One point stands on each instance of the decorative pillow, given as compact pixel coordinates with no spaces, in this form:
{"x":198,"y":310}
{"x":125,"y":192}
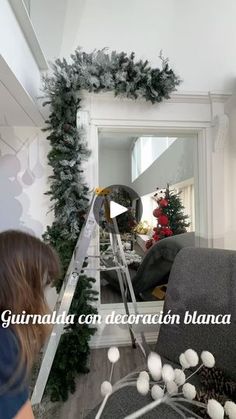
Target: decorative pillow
{"x":157,"y":263}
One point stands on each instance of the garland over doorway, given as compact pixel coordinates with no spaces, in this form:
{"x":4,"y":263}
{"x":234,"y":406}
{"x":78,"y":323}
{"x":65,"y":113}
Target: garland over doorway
{"x":95,"y":72}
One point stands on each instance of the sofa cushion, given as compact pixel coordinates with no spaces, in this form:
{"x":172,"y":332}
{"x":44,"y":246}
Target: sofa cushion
{"x":158,"y":261}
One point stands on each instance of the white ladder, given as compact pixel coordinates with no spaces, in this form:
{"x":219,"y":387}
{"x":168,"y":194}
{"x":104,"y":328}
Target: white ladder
{"x":68,"y":289}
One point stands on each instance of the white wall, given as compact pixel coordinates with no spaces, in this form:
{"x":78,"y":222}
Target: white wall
{"x":199,"y":37}
{"x":48,"y":17}
{"x":114,"y":166}
{"x":229,"y":192}
{"x":24,"y":179}
{"x":24,"y":205}
{"x":173,"y":166}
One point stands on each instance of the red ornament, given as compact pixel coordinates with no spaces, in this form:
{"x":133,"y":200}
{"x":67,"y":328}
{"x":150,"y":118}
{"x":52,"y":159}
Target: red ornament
{"x":149,"y":244}
{"x":156,"y":237}
{"x":163,"y":220}
{"x":157,"y":212}
{"x":167,"y":232}
{"x":163,"y":202}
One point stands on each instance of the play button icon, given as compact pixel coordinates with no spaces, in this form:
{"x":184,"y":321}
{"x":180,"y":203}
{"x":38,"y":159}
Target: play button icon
{"x":116,"y":209}
{"x":120,"y":203}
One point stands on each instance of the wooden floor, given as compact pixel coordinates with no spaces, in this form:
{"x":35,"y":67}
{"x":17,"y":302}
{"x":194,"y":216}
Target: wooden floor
{"x":87,"y":394}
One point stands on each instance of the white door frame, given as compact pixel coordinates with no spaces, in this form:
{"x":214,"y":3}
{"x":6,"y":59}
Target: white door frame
{"x":184,"y":113}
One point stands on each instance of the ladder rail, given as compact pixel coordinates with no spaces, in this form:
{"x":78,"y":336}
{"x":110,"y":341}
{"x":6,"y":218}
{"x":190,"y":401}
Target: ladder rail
{"x":73,"y":273}
{"x":63,"y":304}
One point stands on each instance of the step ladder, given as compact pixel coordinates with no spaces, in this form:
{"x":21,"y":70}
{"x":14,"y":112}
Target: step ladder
{"x":76,"y":267}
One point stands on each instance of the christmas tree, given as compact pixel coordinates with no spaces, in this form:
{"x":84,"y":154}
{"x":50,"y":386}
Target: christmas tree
{"x":170,"y":216}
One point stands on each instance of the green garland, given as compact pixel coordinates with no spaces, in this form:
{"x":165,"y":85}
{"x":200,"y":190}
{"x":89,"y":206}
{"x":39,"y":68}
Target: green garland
{"x":69,"y":194}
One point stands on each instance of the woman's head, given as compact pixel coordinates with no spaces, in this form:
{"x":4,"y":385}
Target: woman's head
{"x":27,"y":265}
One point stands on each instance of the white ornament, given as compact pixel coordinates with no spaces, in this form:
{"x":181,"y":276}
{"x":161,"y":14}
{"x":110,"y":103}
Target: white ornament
{"x":168,"y":373}
{"x":154,"y":365}
{"x":183,"y":362}
{"x":191,"y":357}
{"x":189,"y":391}
{"x":179,"y":377}
{"x":144,"y":375}
{"x":106,"y":388}
{"x":208,"y":359}
{"x":215,"y":410}
{"x":172,"y":387}
{"x":113,"y":354}
{"x":142,"y":386}
{"x":157,"y":392}
{"x":230,"y":409}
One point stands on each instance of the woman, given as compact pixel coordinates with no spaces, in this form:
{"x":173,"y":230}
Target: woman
{"x":27,"y":266}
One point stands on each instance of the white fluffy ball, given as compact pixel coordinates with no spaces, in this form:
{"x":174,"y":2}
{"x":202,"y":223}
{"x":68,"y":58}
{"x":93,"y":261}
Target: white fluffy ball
{"x":157,"y":392}
{"x":168,"y":373}
{"x":230,"y":409}
{"x":189,"y":391}
{"x":106,"y":388}
{"x":154,"y":365}
{"x":179,"y":377}
{"x":191,"y":357}
{"x":183,"y":362}
{"x":113,"y":354}
{"x":208,"y":359}
{"x":142,"y":386}
{"x":172,"y":387}
{"x":215,"y":410}
{"x":144,"y":375}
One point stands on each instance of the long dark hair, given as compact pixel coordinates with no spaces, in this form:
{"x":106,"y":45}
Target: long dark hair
{"x":27,"y":265}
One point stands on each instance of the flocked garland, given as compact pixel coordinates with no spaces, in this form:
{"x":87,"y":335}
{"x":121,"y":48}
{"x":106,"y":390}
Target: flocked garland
{"x":96,"y":72}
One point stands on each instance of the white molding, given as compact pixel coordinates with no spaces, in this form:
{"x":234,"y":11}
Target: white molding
{"x":176,"y":97}
{"x":108,"y":335}
{"x":220,"y":132}
{"x":25,"y":23}
{"x":20,"y":95}
{"x":189,"y":113}
{"x":124,"y":340}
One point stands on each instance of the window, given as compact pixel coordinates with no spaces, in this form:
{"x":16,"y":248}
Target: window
{"x":146,"y":150}
{"x":186,"y":190}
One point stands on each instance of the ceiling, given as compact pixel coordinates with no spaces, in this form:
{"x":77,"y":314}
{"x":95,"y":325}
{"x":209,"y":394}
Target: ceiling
{"x":116,"y":140}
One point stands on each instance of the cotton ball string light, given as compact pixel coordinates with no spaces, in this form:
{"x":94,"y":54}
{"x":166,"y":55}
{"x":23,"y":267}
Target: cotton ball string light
{"x":144,"y":375}
{"x":157,"y":392}
{"x":208,"y":359}
{"x":183,"y":362}
{"x":172,"y":387}
{"x":215,"y":410}
{"x":191,"y":357}
{"x":179,"y":377}
{"x":168,"y":373}
{"x":189,"y":391}
{"x":142,"y":386}
{"x":154,"y":365}
{"x":230,"y":409}
{"x":167,"y":390}
{"x":113,"y":354}
{"x":106,"y":388}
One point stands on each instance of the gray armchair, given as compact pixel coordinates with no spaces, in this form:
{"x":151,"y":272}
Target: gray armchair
{"x":202,"y":280}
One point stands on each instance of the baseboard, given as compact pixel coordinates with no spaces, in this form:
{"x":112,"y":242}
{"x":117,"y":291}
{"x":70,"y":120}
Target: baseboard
{"x":124,"y":340}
